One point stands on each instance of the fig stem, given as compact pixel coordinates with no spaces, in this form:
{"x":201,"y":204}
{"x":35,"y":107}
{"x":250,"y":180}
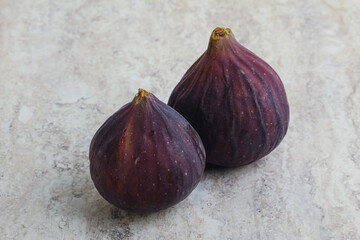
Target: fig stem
{"x":220,"y":32}
{"x":219,"y":38}
{"x":141,"y":95}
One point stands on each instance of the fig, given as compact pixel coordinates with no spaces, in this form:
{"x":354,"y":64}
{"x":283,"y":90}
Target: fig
{"x":146,"y":156}
{"x":234,"y":100}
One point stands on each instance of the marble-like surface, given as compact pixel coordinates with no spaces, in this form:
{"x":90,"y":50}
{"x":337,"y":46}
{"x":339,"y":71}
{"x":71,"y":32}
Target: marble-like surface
{"x":67,"y":65}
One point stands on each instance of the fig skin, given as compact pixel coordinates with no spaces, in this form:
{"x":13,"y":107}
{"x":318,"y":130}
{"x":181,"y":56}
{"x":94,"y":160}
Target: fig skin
{"x":234,"y":100}
{"x":146,"y":157}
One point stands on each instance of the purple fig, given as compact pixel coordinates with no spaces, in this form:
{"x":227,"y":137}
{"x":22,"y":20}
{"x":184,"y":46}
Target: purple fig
{"x":234,"y":100}
{"x":146,"y":157}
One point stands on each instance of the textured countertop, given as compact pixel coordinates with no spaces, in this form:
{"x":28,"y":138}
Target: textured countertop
{"x":68,"y":65}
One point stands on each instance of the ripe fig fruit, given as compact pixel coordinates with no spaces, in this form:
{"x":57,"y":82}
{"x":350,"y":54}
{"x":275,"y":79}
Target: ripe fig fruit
{"x":146,"y":157}
{"x":234,"y":100}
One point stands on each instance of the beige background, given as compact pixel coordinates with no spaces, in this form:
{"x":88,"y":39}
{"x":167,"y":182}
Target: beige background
{"x":67,"y":65}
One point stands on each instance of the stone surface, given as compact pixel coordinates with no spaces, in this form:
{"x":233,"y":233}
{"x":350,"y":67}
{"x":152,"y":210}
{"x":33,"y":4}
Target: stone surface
{"x":67,"y":65}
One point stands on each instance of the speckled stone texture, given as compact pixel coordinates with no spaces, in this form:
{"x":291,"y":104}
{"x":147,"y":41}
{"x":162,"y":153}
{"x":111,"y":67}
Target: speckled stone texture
{"x":66,"y":66}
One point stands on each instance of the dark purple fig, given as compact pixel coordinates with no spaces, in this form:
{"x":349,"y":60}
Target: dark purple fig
{"x":146,"y":157}
{"x":234,"y":100}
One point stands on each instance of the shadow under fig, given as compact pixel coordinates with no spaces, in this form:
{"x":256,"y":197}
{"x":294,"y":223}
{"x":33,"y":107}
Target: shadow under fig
{"x":211,"y":169}
{"x":75,"y":198}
